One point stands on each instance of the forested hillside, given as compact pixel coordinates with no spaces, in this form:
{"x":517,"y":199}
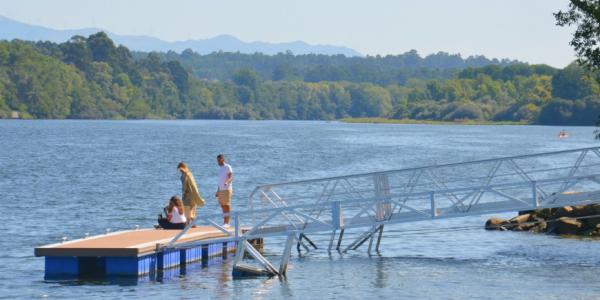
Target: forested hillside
{"x":381,"y":70}
{"x":92,"y":78}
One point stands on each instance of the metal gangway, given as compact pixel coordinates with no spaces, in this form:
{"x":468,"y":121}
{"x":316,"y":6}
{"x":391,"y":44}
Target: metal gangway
{"x":369,"y":201}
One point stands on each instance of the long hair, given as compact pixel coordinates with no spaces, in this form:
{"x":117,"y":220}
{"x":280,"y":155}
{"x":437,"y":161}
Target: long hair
{"x":176,"y":202}
{"x":183,"y":166}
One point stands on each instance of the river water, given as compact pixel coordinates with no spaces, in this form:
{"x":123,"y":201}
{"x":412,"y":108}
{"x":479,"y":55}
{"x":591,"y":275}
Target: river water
{"x":69,"y":178}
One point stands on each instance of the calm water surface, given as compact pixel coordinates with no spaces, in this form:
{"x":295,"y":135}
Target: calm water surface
{"x":68,"y":178}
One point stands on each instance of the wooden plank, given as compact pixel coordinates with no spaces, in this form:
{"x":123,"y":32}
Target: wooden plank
{"x":126,"y":243}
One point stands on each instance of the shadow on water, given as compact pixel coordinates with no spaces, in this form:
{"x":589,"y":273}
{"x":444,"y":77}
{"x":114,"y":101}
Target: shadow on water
{"x":70,"y":281}
{"x":158,"y":276}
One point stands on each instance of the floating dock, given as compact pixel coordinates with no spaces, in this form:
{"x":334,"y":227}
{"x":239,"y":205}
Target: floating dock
{"x":132,"y":252}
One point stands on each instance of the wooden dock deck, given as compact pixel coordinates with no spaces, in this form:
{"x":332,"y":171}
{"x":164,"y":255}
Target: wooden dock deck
{"x":126,"y":243}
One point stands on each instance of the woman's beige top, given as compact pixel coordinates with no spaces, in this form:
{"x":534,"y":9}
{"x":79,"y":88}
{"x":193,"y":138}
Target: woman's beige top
{"x":190,"y":195}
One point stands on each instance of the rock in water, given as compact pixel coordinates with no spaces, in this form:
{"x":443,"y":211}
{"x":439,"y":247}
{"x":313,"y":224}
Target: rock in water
{"x":565,"y":211}
{"x":541,"y":225}
{"x":537,"y":229}
{"x":591,"y":222}
{"x":528,"y":226}
{"x":582,"y":211}
{"x":567,"y":226}
{"x":524,"y":212}
{"x":574,"y":220}
{"x":544,"y":213}
{"x":595,"y":208}
{"x":596,"y":232}
{"x":520,"y":219}
{"x":495,"y":224}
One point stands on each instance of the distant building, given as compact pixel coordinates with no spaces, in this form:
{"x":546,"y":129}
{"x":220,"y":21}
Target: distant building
{"x":14,"y":115}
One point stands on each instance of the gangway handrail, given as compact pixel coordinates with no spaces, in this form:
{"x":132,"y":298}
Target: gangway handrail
{"x":413,"y":194}
{"x":260,"y":186}
{"x":291,"y":208}
{"x":482,"y":177}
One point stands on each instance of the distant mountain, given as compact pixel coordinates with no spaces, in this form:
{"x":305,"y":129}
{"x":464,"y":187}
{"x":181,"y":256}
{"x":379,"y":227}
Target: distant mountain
{"x":11,"y":29}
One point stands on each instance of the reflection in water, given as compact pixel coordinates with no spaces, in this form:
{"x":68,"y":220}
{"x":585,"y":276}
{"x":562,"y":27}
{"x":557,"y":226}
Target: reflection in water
{"x":285,"y":289}
{"x":265,"y":288}
{"x":222,"y":290}
{"x":380,"y":273}
{"x":118,"y":281}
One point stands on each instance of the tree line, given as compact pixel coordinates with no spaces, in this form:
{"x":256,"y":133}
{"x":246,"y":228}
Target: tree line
{"x":92,"y":78}
{"x":380,"y":70}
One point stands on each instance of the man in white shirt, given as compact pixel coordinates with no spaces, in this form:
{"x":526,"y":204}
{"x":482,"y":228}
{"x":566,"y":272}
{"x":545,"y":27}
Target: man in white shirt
{"x":225,"y":190}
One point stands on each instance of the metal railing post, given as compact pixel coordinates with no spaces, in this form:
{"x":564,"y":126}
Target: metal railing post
{"x":433,"y":208}
{"x":336,"y":215}
{"x":536,"y":202}
{"x":236,"y":220}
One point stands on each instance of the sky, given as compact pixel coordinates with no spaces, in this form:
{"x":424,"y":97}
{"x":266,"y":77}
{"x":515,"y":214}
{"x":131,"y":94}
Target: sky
{"x":515,"y":29}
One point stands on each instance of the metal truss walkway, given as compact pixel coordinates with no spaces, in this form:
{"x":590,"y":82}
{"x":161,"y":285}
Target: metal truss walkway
{"x":369,"y":201}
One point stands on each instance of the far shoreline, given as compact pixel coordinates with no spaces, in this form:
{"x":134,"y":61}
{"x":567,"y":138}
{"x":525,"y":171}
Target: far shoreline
{"x":342,"y":120}
{"x":432,"y":122}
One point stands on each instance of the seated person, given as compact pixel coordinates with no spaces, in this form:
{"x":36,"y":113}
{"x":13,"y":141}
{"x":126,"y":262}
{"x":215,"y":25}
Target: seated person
{"x":175,"y":215}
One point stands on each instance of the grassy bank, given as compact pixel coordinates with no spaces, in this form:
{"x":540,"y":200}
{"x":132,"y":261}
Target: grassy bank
{"x":430,"y":122}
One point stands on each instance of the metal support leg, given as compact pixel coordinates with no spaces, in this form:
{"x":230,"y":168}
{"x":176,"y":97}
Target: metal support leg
{"x":371,"y":242}
{"x":286,"y":254}
{"x":378,"y":230}
{"x":254,"y":253}
{"x":239,"y":253}
{"x":339,"y":243}
{"x":331,"y":240}
{"x":360,"y":240}
{"x":245,"y":247}
{"x":300,"y":243}
{"x":303,"y":236}
{"x":379,"y":238}
{"x":368,"y":235}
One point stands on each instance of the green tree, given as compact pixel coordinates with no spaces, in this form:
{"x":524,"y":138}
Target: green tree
{"x":101,"y":47}
{"x":585,"y":14}
{"x":76,"y":52}
{"x":370,"y":101}
{"x":283,"y":72}
{"x":572,"y":83}
{"x":180,"y":76}
{"x":556,"y":112}
{"x":247,"y":77}
{"x":462,"y":111}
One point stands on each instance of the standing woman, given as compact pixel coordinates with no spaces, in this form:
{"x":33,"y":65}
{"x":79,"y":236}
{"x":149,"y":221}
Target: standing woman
{"x":190,"y":195}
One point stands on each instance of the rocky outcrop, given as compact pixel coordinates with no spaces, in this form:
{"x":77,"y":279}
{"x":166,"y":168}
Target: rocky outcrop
{"x":581,"y":220}
{"x":566,"y":225}
{"x":496,"y":224}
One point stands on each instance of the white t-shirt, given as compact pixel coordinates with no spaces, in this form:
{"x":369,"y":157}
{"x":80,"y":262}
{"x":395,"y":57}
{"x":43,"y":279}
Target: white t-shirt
{"x":224,"y":171}
{"x":176,"y":218}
